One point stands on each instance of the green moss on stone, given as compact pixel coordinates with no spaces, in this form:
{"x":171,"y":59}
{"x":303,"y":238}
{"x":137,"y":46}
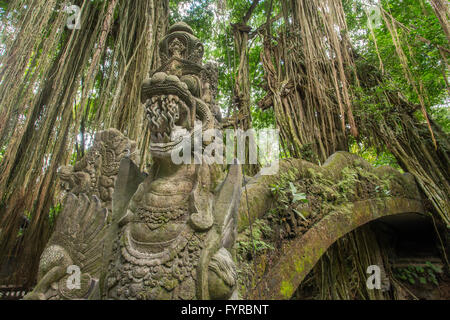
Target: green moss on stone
{"x":287,"y":289}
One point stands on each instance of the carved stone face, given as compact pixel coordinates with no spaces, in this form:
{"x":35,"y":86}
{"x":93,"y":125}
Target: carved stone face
{"x":177,"y":48}
{"x":170,"y":111}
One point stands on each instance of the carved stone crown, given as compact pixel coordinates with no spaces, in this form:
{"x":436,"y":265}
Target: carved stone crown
{"x":180,"y":43}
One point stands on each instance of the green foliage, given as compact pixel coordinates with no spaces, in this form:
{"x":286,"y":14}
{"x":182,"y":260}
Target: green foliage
{"x":261,"y":231}
{"x":3,"y":7}
{"x":263,"y":119}
{"x":420,"y":36}
{"x":197,"y":14}
{"x":73,"y":158}
{"x":375,"y":157}
{"x":296,"y":197}
{"x":348,"y":182}
{"x":2,"y":153}
{"x":53,"y":214}
{"x":442,"y":116}
{"x":383,"y":190}
{"x":280,"y":189}
{"x":287,"y":197}
{"x":414,"y":274}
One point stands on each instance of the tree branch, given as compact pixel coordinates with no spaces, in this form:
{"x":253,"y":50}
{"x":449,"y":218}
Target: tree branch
{"x":250,"y":12}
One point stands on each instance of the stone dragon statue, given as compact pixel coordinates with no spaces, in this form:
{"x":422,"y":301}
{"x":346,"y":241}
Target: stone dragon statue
{"x":168,"y":234}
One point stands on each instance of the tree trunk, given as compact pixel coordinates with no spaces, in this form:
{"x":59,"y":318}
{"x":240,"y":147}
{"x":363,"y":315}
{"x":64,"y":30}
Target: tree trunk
{"x":308,"y":90}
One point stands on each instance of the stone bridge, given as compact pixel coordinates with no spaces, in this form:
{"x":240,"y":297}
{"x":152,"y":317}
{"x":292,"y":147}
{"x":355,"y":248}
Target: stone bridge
{"x":366,"y":194}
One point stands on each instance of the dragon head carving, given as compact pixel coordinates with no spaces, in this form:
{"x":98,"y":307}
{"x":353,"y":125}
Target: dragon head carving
{"x":179,"y":96}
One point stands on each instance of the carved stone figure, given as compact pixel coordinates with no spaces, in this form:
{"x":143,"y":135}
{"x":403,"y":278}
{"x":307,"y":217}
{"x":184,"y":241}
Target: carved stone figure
{"x":165,"y":235}
{"x":95,"y":173}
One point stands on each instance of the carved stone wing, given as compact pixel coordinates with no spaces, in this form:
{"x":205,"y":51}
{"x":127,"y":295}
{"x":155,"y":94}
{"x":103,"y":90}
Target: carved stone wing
{"x":81,"y":229}
{"x":79,"y":240}
{"x":74,"y":250}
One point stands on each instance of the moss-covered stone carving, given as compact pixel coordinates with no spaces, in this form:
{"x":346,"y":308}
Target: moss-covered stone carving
{"x":163,"y":235}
